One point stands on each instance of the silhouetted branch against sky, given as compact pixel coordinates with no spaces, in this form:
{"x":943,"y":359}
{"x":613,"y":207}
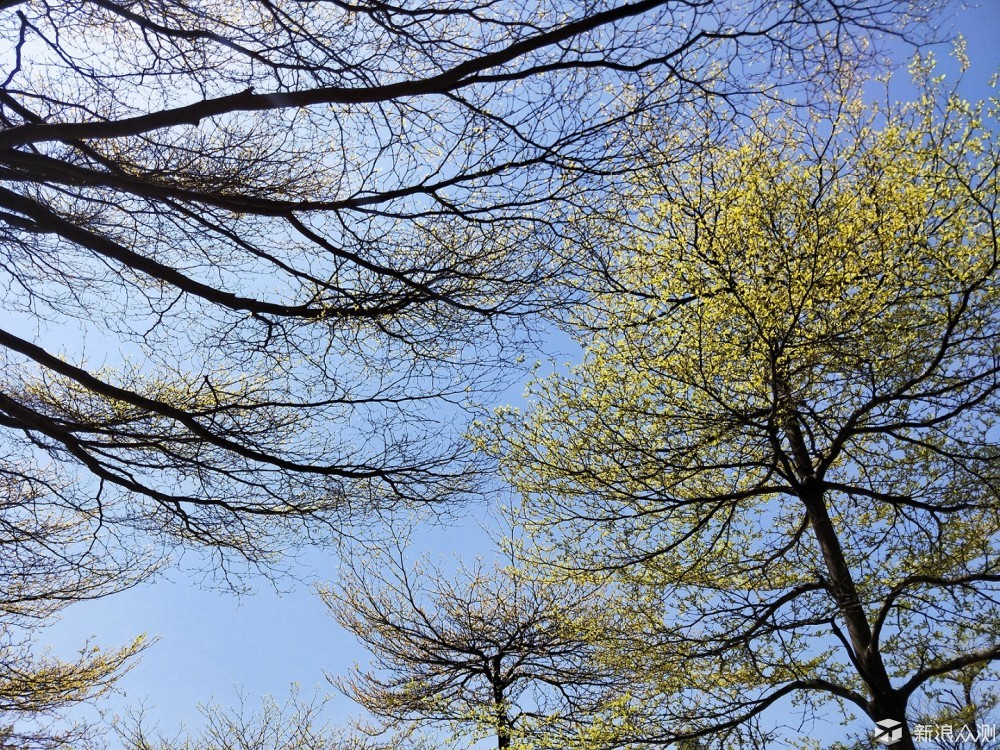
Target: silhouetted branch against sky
{"x":250,"y":249}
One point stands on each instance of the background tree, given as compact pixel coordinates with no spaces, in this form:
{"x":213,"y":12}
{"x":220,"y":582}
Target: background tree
{"x":295,"y":724}
{"x":249,"y":250}
{"x":480,"y":652}
{"x":784,"y":436}
{"x":49,"y":558}
{"x":966,"y":703}
{"x":957,"y":711}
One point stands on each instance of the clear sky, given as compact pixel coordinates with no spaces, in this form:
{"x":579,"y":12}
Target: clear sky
{"x":212,"y":642}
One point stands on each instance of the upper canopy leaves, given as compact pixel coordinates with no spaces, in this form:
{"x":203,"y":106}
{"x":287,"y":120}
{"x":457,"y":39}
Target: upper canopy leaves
{"x":785,"y":430}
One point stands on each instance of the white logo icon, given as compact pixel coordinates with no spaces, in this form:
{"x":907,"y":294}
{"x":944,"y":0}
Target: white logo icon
{"x":891,"y":732}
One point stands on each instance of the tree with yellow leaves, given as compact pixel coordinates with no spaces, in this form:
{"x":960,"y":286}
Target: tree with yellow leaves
{"x":783,"y":435}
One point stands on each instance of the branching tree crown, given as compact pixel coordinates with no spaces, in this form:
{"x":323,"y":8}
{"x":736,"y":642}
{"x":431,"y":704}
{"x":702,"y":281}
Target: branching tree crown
{"x":483,"y":652}
{"x":297,"y":723}
{"x":785,"y":433}
{"x":50,"y":557}
{"x":285,"y":231}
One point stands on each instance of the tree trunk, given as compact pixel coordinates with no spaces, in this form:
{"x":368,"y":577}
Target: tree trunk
{"x":884,"y":701}
{"x":499,"y":706}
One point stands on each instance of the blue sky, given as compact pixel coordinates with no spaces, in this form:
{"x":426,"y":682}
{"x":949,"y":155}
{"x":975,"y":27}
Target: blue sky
{"x":211,"y":642}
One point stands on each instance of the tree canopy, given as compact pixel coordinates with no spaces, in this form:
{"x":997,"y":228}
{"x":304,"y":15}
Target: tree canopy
{"x":254,"y":255}
{"x":481,"y":652}
{"x":48,"y":560}
{"x":783,"y":435}
{"x":250,"y":249}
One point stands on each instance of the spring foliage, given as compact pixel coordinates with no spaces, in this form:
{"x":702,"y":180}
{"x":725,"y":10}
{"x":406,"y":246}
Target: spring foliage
{"x":783,"y":435}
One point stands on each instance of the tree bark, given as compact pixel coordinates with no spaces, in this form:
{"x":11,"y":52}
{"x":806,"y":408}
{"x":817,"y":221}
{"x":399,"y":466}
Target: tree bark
{"x":884,"y":701}
{"x":499,"y":706}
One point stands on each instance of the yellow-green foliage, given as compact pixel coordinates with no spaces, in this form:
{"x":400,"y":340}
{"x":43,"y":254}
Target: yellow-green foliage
{"x":816,"y":305}
{"x":35,"y":690}
{"x":45,"y":684}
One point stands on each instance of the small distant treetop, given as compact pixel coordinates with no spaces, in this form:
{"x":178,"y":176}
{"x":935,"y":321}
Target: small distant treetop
{"x":482,"y":653}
